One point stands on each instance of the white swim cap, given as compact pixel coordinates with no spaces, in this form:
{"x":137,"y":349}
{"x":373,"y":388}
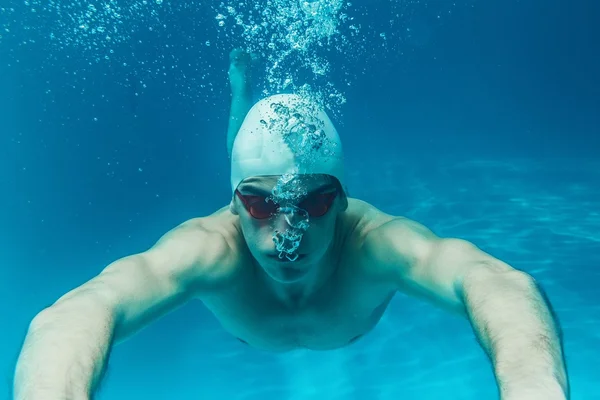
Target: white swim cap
{"x":286,"y":134}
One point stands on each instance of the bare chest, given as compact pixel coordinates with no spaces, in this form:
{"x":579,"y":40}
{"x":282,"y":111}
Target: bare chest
{"x":340,"y":315}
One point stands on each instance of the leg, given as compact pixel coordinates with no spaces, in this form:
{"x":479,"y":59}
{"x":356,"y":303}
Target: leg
{"x":241,"y":93}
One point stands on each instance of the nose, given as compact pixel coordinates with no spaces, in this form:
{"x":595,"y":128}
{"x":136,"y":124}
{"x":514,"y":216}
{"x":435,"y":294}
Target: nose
{"x":290,"y":225}
{"x":293,"y":217}
{"x":280,"y":223}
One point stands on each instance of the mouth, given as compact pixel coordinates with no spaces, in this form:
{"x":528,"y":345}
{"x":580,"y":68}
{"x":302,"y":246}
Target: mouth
{"x":285,"y":259}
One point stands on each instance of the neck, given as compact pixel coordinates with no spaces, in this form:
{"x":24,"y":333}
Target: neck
{"x":300,"y":293}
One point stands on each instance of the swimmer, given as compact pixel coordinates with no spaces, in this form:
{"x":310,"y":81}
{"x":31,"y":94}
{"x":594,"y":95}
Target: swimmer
{"x":293,"y":262}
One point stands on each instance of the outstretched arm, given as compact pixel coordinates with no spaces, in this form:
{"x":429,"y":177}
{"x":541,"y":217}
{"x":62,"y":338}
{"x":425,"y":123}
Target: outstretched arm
{"x":241,"y":93}
{"x":506,"y":308}
{"x":514,"y":324}
{"x":68,"y":344}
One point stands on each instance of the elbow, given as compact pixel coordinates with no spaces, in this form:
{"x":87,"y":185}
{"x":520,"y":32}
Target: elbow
{"x":43,"y":318}
{"x":79,"y":303}
{"x":497,"y":277}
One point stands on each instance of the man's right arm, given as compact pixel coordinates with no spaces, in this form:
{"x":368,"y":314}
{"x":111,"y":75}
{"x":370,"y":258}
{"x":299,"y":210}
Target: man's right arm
{"x":67,"y":345}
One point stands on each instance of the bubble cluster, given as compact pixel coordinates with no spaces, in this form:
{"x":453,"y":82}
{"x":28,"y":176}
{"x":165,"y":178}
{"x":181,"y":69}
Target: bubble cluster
{"x":300,"y":128}
{"x":290,"y":188}
{"x":303,"y":133}
{"x":301,"y":125}
{"x":292,"y":38}
{"x":137,"y":43}
{"x":164,"y":41}
{"x":96,"y":26}
{"x":288,"y":242}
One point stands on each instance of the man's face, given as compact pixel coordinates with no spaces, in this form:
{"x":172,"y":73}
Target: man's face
{"x":283,"y":227}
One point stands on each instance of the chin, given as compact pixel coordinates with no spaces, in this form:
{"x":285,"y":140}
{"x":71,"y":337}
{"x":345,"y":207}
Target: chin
{"x":285,"y":271}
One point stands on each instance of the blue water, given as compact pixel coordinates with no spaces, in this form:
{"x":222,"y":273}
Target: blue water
{"x":479,"y":120}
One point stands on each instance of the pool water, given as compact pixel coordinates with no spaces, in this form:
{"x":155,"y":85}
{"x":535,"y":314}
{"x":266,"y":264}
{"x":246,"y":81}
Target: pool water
{"x":112,"y":131}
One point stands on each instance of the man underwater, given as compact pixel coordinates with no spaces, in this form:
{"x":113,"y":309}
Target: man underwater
{"x":293,"y":262}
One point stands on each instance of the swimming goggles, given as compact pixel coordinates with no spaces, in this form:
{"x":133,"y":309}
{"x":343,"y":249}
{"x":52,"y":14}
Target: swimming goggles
{"x":262,"y":207}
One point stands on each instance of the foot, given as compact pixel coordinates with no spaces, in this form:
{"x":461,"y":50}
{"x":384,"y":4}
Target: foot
{"x":239,"y":72}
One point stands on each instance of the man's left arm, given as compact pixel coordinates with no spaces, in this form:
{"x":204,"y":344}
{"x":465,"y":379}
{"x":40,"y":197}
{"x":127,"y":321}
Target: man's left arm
{"x":507,"y":309}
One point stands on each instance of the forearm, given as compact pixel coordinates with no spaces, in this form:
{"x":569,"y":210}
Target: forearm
{"x":516,"y":328}
{"x":65,"y":350}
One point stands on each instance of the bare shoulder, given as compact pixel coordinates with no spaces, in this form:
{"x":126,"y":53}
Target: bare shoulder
{"x":389,"y":239}
{"x":372,"y":222}
{"x":363,"y":217}
{"x":202,"y":251}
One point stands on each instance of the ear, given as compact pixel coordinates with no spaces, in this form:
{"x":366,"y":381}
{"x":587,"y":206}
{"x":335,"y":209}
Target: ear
{"x":233,"y":207}
{"x":343,"y":202}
